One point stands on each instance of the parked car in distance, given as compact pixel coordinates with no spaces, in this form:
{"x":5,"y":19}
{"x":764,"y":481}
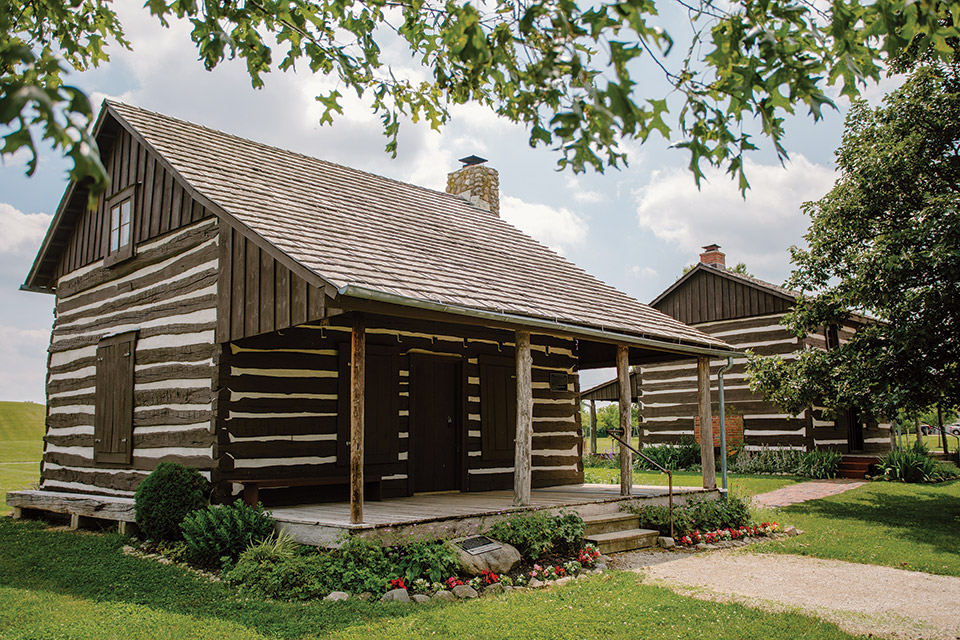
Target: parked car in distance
{"x":929,"y":429}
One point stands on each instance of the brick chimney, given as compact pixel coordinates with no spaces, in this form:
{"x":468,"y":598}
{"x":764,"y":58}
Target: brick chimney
{"x":713,"y":257}
{"x":476,"y":183}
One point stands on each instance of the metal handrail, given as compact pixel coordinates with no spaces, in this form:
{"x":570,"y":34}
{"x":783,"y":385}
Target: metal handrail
{"x":613,"y":434}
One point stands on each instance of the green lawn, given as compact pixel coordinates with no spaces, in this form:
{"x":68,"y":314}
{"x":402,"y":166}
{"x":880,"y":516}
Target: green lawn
{"x":909,"y":526}
{"x":744,"y":486}
{"x":933,"y":442}
{"x":21,"y":446}
{"x":58,"y":584}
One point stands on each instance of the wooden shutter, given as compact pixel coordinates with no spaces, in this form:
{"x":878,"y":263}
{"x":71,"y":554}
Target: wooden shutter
{"x":381,"y":406}
{"x":113,"y":418}
{"x":498,"y":408}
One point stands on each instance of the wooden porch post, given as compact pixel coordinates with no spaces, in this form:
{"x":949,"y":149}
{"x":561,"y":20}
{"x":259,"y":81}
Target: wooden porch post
{"x":593,"y":427}
{"x":524,"y":443}
{"x":357,"y":372}
{"x":706,"y":423}
{"x":626,"y":400}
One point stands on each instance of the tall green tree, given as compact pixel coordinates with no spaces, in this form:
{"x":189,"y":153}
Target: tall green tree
{"x":565,"y":70}
{"x":883,"y":243}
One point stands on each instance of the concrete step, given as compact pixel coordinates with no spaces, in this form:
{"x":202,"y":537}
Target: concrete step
{"x":617,"y":541}
{"x":607,"y":523}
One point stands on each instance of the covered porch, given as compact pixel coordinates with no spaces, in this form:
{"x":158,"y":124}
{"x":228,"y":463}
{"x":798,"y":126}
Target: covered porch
{"x":590,"y":348}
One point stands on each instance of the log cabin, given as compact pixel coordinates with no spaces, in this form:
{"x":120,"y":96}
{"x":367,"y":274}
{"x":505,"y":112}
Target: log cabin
{"x":745,"y":312}
{"x":301,"y":331}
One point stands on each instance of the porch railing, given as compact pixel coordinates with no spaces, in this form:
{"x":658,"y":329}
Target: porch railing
{"x":615,"y":434}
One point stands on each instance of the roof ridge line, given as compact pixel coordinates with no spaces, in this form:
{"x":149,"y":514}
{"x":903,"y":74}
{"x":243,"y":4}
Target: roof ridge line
{"x":289,"y":151}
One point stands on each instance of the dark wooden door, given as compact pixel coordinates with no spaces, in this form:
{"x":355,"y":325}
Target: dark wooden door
{"x":435,"y":424}
{"x":113,"y":418}
{"x":854,"y":430}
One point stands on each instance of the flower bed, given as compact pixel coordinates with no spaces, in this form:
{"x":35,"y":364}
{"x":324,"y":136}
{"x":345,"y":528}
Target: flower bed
{"x":587,"y":558}
{"x":764,"y":529}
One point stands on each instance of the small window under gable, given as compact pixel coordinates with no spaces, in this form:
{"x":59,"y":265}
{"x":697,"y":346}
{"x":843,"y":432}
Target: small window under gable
{"x":119,"y":226}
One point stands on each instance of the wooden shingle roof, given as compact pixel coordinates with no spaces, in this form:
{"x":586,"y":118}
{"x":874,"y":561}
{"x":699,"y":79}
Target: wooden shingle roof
{"x":351,"y":228}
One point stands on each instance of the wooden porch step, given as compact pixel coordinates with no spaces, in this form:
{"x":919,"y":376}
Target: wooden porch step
{"x":855,"y":467}
{"x":608,"y":523}
{"x":617,"y":541}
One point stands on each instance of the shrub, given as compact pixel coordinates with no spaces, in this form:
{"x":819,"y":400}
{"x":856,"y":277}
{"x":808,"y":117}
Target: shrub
{"x":431,"y":560}
{"x":766,"y":461}
{"x":537,"y":533}
{"x":915,"y":465}
{"x":684,"y":455}
{"x":166,"y":497}
{"x":358,"y":565}
{"x":276,"y":546}
{"x":697,"y":514}
{"x":819,"y":464}
{"x":298,"y":577}
{"x":218,"y":534}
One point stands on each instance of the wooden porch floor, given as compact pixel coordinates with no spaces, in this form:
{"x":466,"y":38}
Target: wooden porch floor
{"x":454,"y":513}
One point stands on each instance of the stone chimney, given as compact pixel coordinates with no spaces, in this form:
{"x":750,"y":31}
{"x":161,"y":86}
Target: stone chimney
{"x":476,"y":183}
{"x":713,"y":257}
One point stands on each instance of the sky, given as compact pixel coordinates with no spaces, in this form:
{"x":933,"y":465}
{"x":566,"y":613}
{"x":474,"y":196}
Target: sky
{"x":635,"y":228}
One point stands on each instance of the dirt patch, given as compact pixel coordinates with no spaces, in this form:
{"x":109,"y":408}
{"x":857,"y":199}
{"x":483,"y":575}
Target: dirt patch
{"x":859,"y":598}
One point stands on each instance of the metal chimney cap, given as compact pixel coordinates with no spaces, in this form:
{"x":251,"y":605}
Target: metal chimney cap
{"x":711,"y":247}
{"x":469,"y":161}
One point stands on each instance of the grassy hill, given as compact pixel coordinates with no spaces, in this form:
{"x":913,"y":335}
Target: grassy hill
{"x":21,"y":446}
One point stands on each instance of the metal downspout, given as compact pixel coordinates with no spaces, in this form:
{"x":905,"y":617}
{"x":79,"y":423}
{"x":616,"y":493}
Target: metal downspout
{"x":723,"y":426}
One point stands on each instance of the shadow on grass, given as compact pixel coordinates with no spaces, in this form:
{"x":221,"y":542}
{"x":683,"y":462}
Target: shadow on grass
{"x":92,"y":566}
{"x":924,"y":514}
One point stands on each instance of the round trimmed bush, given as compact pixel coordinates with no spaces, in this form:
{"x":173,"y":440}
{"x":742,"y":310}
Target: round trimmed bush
{"x":166,"y":497}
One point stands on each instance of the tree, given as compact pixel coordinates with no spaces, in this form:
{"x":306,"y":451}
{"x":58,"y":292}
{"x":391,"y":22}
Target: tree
{"x":567,"y":71}
{"x":884,"y":243}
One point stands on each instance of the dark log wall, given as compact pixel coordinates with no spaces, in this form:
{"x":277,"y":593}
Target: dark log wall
{"x":167,"y":291}
{"x":279,"y":395}
{"x":670,"y":397}
{"x":257,"y":294}
{"x":709,"y":297}
{"x":161,"y":205}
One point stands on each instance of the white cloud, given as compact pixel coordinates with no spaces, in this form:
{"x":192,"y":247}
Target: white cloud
{"x":556,"y":228}
{"x":757,"y":230}
{"x":642,"y":272}
{"x":580,"y":193}
{"x":22,"y":352}
{"x":22,"y":232}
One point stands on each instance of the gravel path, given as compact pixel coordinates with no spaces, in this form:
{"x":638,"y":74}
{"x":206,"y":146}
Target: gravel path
{"x":860,"y":598}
